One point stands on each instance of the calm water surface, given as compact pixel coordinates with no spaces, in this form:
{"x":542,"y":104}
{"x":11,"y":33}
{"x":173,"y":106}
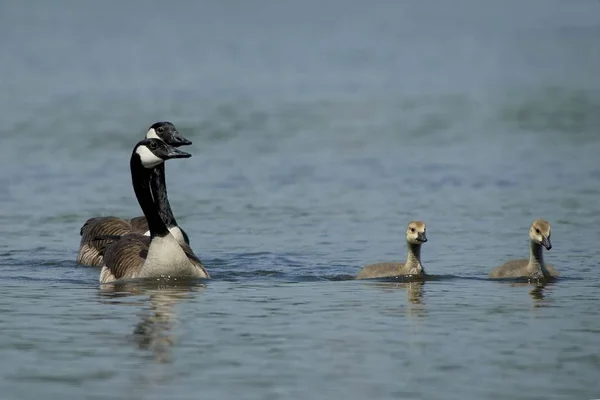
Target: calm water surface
{"x":320,"y":129}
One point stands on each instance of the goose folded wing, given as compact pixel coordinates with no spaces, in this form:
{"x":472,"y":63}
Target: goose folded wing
{"x":125,"y":257}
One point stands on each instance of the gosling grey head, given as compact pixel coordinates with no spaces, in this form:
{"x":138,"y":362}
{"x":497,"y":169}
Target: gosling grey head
{"x":540,"y":232}
{"x":416,"y":232}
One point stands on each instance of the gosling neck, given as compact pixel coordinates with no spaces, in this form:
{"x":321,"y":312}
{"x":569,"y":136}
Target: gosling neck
{"x":413,"y":258}
{"x":536,"y":259}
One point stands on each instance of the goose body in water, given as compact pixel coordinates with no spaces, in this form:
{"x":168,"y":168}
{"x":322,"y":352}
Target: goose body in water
{"x":534,"y":267}
{"x":415,"y":237}
{"x":89,"y":247}
{"x":159,"y":255}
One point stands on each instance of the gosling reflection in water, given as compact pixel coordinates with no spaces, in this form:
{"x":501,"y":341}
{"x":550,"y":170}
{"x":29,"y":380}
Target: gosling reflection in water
{"x":538,"y":293}
{"x":414,"y":290}
{"x":155,"y":331}
{"x":414,"y":295}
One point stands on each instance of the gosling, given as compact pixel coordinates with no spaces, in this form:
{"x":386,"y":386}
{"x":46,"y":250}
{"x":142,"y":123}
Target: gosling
{"x":415,"y":236}
{"x":534,"y":268}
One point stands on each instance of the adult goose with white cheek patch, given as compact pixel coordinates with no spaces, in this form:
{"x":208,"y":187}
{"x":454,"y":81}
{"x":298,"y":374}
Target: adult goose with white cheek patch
{"x":89,"y":247}
{"x":160,"y":255}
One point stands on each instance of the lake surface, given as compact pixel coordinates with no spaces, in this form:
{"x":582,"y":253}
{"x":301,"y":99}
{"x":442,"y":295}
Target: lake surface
{"x":319,"y":130}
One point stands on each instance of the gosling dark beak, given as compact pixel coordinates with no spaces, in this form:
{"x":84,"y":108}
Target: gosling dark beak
{"x":421,"y":237}
{"x":172,"y":152}
{"x":177,"y":139}
{"x":546,"y":243}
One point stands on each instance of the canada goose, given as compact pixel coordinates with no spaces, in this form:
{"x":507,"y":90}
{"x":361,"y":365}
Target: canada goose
{"x":415,"y":236}
{"x":160,"y":255}
{"x":534,"y":268}
{"x":89,"y":249}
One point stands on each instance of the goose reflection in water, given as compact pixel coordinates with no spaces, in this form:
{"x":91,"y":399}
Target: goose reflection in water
{"x":155,"y":331}
{"x":538,"y":293}
{"x":414,"y":295}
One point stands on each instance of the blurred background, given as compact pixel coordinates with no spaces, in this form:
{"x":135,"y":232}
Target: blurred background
{"x":319,"y":129}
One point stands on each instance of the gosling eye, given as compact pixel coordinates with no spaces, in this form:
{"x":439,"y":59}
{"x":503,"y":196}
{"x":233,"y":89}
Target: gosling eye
{"x":537,"y":230}
{"x":412,"y":230}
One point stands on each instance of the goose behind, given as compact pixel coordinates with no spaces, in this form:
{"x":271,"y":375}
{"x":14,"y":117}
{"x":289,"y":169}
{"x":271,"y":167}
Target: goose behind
{"x":534,"y":267}
{"x":159,"y":255}
{"x":415,"y":237}
{"x":89,"y":248}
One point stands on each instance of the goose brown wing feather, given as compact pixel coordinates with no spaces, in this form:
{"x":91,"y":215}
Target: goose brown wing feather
{"x":125,"y":258}
{"x":90,"y":247}
{"x":139,"y":224}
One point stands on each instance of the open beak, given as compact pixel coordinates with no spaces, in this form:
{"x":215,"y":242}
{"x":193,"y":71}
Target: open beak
{"x":421,"y":237}
{"x":546,"y":243}
{"x":176,"y":153}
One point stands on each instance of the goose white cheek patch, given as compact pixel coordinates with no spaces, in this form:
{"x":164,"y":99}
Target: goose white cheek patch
{"x":148,"y":158}
{"x":151,"y":134}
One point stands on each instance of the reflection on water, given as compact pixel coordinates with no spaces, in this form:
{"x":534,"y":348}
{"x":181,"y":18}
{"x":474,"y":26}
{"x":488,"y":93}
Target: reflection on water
{"x":415,"y":306}
{"x":414,"y":290}
{"x":538,"y":291}
{"x":155,"y":330}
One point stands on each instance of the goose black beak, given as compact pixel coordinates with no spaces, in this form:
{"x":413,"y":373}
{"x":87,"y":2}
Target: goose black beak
{"x":177,"y":139}
{"x":176,"y":153}
{"x":421,"y":237}
{"x":546,"y":243}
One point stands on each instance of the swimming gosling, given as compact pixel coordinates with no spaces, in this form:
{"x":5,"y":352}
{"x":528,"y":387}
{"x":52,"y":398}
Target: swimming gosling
{"x":415,"y":236}
{"x":534,"y":268}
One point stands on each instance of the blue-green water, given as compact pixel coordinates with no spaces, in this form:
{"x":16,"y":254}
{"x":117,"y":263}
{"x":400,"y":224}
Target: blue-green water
{"x":320,"y":129}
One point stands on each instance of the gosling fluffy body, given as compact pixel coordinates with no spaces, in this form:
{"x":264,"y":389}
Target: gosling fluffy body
{"x":534,"y":267}
{"x":415,"y":237}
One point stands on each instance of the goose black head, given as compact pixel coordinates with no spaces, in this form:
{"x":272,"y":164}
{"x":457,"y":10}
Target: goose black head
{"x":167,"y":132}
{"x":153,"y":152}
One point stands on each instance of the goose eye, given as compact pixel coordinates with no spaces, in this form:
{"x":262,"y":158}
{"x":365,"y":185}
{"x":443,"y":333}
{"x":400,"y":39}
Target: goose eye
{"x":160,"y":129}
{"x":153,"y":145}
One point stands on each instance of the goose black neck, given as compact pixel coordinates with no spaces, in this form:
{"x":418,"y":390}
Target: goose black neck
{"x":159,"y":194}
{"x":140,"y":178}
